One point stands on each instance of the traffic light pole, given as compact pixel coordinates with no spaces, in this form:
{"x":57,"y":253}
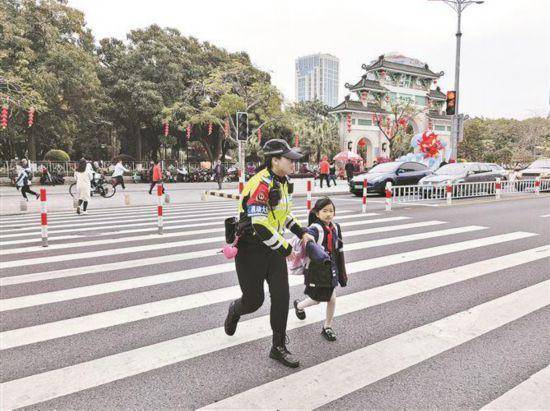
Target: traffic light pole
{"x":456,"y":126}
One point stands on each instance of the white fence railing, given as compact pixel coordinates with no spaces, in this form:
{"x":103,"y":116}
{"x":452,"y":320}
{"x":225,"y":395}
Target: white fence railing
{"x":449,"y":191}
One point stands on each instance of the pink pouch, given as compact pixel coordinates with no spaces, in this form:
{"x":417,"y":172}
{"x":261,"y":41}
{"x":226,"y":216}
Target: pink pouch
{"x":230,"y":250}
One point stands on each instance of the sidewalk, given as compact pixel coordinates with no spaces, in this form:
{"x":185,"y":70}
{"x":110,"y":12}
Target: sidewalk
{"x":59,"y":198}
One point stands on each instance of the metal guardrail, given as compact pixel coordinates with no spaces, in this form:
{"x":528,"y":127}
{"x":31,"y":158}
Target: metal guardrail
{"x":449,"y":191}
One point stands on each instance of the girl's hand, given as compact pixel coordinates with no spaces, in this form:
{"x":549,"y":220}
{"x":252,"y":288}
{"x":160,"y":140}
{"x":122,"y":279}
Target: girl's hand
{"x":307,"y":238}
{"x":292,"y":256}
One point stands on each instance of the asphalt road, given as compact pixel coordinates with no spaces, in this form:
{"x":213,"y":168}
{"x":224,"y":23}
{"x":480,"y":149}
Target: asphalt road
{"x":446,"y":307}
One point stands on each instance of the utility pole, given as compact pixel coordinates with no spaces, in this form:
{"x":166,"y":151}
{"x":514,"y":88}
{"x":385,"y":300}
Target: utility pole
{"x":458,"y":6}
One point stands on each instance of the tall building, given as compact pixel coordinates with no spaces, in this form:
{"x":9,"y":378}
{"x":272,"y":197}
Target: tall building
{"x":317,"y":78}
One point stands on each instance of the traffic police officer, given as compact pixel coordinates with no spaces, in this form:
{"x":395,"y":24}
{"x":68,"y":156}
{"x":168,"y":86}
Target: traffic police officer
{"x":265,"y":211}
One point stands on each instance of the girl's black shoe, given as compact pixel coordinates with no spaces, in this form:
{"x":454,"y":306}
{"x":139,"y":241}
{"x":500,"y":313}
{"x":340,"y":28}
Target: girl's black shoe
{"x":329,"y":334}
{"x":301,"y":314}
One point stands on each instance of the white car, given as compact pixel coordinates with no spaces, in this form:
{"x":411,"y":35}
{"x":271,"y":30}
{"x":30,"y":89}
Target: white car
{"x":539,"y":168}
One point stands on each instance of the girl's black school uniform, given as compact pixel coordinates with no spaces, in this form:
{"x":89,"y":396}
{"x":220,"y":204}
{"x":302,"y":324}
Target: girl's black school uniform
{"x":321,"y":279}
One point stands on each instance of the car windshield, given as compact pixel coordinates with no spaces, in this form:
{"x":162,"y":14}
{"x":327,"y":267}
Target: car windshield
{"x":384,"y":168}
{"x":450,"y":169}
{"x":540,"y":164}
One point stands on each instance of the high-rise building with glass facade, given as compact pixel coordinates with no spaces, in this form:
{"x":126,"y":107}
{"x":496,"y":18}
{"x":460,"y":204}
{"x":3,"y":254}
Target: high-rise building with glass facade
{"x":317,"y":78}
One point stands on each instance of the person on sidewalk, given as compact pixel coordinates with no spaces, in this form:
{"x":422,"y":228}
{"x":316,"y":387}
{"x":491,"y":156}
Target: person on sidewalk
{"x":218,"y":173}
{"x":24,"y":180}
{"x":324,"y":169}
{"x":332,"y":172}
{"x":265,"y":211}
{"x":157,"y":177}
{"x":83,"y":176}
{"x":349,"y":170}
{"x":118,"y":175}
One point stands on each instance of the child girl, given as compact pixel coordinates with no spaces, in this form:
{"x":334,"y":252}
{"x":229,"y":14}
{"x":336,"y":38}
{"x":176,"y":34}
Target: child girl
{"x":321,"y":278}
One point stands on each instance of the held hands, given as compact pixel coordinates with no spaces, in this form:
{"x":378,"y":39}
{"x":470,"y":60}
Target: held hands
{"x":307,"y":238}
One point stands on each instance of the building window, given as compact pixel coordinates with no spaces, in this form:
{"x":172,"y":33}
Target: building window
{"x":439,"y":128}
{"x":448,"y":128}
{"x":365,"y":122}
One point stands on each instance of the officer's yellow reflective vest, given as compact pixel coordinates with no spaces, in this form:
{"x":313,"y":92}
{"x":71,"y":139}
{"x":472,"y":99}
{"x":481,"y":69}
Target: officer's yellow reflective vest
{"x":269,"y":222}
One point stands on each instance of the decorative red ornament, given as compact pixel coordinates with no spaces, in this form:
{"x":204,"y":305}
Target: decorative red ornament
{"x":435,"y":82}
{"x":30,"y":122}
{"x":430,"y":144}
{"x":382,"y":73}
{"x":430,"y":125}
{"x":166,"y":129}
{"x":296,"y":140}
{"x":362,"y":143}
{"x":403,"y":121}
{"x":364,"y":95}
{"x":210,"y":128}
{"x":348,"y":122}
{"x":260,"y":135}
{"x":188,"y":131}
{"x":4,"y":117}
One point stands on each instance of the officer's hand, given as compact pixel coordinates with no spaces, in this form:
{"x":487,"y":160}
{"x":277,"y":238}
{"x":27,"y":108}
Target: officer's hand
{"x":307,"y":238}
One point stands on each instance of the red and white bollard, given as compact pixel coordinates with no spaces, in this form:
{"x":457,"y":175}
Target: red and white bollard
{"x":537,"y":185}
{"x":388,"y":196}
{"x":44,"y":217}
{"x":449,"y":192}
{"x":308,"y":198}
{"x":241,"y":181}
{"x":498,"y":188}
{"x":364,"y":206}
{"x":159,"y":207}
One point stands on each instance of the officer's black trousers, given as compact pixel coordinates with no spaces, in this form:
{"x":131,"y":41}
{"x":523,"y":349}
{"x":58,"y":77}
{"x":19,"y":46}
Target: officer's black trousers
{"x":256,"y":263}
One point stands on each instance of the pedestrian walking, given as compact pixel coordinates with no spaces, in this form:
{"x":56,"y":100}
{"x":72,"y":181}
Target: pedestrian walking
{"x":321,"y":276}
{"x":332,"y":172}
{"x":24,"y":180}
{"x":324,"y":169}
{"x":156,"y":177}
{"x":118,"y":175}
{"x":265,"y":211}
{"x":218,"y":173}
{"x":83,"y":176}
{"x":349,"y":170}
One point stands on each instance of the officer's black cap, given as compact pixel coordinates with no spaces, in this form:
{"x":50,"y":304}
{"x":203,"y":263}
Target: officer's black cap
{"x":279,"y":147}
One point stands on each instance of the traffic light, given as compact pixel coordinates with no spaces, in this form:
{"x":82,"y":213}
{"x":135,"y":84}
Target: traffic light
{"x":242,"y":126}
{"x":451,"y":102}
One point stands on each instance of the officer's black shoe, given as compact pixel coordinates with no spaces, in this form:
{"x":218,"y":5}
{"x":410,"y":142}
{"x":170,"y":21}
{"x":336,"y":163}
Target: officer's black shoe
{"x":284,"y":356}
{"x":280,"y":353}
{"x":231,"y":320}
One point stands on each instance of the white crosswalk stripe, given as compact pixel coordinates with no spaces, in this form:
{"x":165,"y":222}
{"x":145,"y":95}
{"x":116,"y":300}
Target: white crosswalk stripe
{"x":49,"y":311}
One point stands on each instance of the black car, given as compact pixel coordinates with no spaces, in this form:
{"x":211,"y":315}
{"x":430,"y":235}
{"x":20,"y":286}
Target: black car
{"x":396,"y":172}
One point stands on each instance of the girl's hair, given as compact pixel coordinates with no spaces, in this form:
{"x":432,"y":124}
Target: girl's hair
{"x":267,"y":162}
{"x":319,"y":205}
{"x":81,"y":167}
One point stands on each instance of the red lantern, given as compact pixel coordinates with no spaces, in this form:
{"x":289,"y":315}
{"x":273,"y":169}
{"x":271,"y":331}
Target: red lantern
{"x":30,"y":122}
{"x":226,"y":128}
{"x":362,"y":143}
{"x":4,"y":117}
{"x":296,"y":140}
{"x":188,"y":131}
{"x":166,"y":129}
{"x":382,"y":73}
{"x":348,"y":122}
{"x":435,"y":82}
{"x":209,"y":128}
{"x":260,"y":135}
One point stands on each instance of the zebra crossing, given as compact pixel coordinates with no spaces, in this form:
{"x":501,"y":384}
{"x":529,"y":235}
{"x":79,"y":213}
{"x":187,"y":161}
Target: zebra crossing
{"x":113,"y":315}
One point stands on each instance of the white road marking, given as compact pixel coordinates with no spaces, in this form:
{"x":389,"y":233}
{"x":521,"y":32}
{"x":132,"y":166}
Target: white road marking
{"x":392,"y":355}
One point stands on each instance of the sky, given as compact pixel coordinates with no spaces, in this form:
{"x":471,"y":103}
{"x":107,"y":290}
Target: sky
{"x":505,"y":53}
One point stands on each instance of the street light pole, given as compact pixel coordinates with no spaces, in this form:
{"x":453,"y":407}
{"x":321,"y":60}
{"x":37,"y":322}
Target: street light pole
{"x":458,"y":6}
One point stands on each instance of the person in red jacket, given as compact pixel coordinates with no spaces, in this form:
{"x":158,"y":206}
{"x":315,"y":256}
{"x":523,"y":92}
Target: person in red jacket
{"x":324,"y":167}
{"x":157,"y":177}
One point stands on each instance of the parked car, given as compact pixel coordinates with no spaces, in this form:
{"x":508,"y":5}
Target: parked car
{"x":539,"y":168}
{"x":396,"y":172}
{"x":457,"y":173}
{"x":503,"y":174}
